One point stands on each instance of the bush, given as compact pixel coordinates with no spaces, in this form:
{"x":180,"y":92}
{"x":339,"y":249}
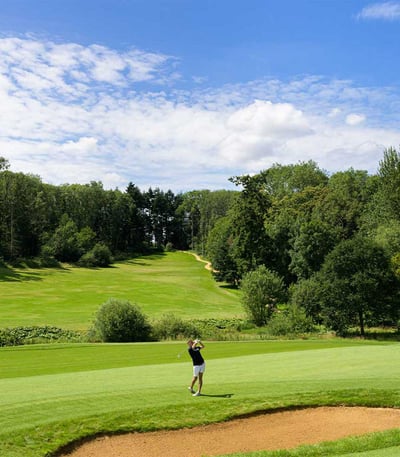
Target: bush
{"x":25,"y":335}
{"x":305,"y":294}
{"x":290,"y":322}
{"x":173,"y":327}
{"x":220,"y":329}
{"x":262,"y":290}
{"x":98,"y":256}
{"x":119,"y":321}
{"x":169,"y":247}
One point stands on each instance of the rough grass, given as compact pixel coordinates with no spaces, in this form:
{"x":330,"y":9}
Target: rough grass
{"x":68,"y":297}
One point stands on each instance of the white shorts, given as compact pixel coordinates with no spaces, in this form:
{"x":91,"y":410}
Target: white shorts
{"x":199,"y":369}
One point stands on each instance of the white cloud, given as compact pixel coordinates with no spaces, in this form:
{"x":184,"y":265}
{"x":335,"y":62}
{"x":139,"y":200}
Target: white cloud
{"x":258,"y":129}
{"x":334,"y":112}
{"x":83,"y":147}
{"x":355,"y":119}
{"x":385,"y":11}
{"x":63,"y":68}
{"x":71,"y":113}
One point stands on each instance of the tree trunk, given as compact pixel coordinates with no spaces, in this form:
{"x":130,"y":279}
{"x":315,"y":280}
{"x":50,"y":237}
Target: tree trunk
{"x":361,"y":318}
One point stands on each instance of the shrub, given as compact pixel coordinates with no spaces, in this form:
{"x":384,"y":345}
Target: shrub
{"x":173,"y":327}
{"x":119,"y":321}
{"x":169,"y":247}
{"x":220,"y":329}
{"x":35,"y":334}
{"x":289,"y":322}
{"x":98,"y":256}
{"x":262,"y":290}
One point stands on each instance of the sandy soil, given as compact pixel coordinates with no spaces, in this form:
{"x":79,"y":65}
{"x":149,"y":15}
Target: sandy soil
{"x":280,"y":430}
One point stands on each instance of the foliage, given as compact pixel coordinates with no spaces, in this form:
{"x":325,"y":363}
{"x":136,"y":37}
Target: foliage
{"x":262,"y":290}
{"x":4,"y":164}
{"x":250,"y":243}
{"x":357,"y":283}
{"x":287,"y":218}
{"x":346,"y":197}
{"x":395,"y":264}
{"x":219,"y":251}
{"x":306,"y":295}
{"x":24,"y":335}
{"x":171,"y":327}
{"x":283,"y":180}
{"x":220,"y":329}
{"x":119,"y":321}
{"x":64,"y":245}
{"x":310,"y":247}
{"x":290,"y":321}
{"x":201,"y":210}
{"x":389,"y":172}
{"x":387,"y":235}
{"x":98,"y":256}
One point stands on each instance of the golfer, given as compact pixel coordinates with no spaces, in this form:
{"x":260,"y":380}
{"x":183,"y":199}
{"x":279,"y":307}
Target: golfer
{"x":199,"y":365}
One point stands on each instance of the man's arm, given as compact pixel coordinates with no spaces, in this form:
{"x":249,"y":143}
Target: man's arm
{"x":198,"y":343}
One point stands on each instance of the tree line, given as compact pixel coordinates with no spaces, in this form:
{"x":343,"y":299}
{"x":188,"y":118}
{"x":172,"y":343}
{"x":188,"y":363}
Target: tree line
{"x":66,"y":222}
{"x":328,"y":244}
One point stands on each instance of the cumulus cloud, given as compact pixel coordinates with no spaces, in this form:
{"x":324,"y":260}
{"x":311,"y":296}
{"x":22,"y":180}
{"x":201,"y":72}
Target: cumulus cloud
{"x":71,"y":113}
{"x":354,"y":119}
{"x":384,"y":11}
{"x":257,"y":130}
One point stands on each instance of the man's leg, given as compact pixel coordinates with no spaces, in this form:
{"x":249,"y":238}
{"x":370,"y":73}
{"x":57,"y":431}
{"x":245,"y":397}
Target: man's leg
{"x":193,"y":382}
{"x":200,"y":381}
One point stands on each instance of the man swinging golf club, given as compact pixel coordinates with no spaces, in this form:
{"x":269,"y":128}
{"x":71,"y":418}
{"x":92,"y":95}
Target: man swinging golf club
{"x":199,"y":365}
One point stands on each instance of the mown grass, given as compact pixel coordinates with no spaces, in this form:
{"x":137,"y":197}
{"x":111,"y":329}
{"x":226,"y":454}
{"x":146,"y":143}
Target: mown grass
{"x":113,"y":388}
{"x":51,"y":395}
{"x":68,"y":297}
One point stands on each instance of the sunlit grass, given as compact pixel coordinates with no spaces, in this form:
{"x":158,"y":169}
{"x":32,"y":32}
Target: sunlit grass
{"x":68,"y":297}
{"x":144,"y":387}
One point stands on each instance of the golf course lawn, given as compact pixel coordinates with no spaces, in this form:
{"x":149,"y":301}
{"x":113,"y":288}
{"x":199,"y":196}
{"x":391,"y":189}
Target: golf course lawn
{"x":53,"y":394}
{"x":68,"y":297}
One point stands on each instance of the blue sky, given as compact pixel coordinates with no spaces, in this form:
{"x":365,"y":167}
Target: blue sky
{"x":183,"y":94}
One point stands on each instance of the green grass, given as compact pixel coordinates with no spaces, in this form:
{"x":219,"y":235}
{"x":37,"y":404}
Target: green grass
{"x":64,"y":358}
{"x":51,"y":395}
{"x":68,"y":297}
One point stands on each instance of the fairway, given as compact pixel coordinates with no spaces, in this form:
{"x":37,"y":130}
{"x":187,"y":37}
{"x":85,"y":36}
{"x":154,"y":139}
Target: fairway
{"x":51,"y":395}
{"x":57,"y":396}
{"x":68,"y":297}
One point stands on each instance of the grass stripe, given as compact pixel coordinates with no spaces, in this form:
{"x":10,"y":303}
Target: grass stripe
{"x":133,"y":396}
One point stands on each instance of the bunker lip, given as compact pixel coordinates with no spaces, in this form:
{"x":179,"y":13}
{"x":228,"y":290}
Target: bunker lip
{"x":272,"y":430}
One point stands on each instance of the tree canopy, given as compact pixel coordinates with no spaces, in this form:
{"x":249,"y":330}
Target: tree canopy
{"x":333,"y":240}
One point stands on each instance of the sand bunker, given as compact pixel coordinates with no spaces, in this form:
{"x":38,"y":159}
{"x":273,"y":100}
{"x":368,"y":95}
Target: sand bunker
{"x":280,"y":430}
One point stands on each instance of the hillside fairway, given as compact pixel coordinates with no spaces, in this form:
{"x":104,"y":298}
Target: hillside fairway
{"x":68,"y":297}
{"x":54,"y":394}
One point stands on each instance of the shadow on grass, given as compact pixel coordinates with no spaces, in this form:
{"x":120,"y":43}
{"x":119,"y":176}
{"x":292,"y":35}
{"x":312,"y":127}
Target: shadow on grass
{"x":10,"y":275}
{"x":144,"y":259}
{"x":228,"y":286}
{"x":19,"y":271}
{"x":217,"y":395}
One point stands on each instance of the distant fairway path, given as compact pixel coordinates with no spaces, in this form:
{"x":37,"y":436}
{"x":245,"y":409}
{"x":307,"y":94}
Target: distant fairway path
{"x":208,"y":265}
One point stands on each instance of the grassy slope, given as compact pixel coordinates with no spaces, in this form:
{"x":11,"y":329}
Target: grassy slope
{"x":40,"y":412}
{"x":68,"y":297}
{"x":50,"y":395}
